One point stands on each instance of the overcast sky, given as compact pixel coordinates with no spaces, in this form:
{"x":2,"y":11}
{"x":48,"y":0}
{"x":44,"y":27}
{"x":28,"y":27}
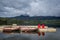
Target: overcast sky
{"x":11,"y":8}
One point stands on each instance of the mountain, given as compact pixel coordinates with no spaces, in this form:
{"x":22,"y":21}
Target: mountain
{"x":34,"y":20}
{"x":27,"y":17}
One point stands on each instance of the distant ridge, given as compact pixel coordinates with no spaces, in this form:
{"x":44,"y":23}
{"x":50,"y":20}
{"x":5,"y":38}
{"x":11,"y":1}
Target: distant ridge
{"x":34,"y":20}
{"x":27,"y":17}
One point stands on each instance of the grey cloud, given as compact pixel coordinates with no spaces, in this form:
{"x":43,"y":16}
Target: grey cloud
{"x":47,"y":7}
{"x":10,"y":8}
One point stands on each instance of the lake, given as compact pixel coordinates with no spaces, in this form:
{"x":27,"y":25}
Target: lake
{"x":19,"y":36}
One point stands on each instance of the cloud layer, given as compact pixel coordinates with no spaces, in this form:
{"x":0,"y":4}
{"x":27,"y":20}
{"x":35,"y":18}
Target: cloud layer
{"x":11,"y":8}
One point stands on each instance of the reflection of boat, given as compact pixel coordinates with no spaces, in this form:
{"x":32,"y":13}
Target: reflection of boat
{"x":40,"y":29}
{"x":9,"y":30}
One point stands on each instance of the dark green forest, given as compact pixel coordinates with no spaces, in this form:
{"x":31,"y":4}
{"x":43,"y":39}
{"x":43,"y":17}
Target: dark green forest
{"x":10,"y":21}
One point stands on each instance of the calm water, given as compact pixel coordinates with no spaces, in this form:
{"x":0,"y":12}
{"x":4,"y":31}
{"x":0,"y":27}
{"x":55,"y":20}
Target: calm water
{"x":17,"y":36}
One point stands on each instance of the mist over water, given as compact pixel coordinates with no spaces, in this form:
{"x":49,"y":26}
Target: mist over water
{"x":18,"y":36}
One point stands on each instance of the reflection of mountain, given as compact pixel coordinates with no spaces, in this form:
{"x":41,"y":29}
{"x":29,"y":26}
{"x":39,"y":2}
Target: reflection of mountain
{"x":27,"y":17}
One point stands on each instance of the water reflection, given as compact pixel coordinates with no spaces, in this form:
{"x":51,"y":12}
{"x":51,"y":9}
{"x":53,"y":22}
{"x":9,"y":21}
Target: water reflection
{"x":23,"y":36}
